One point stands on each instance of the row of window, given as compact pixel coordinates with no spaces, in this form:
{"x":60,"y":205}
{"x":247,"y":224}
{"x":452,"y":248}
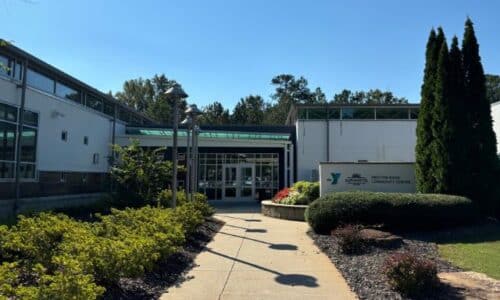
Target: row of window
{"x":358,"y":113}
{"x":9,"y":117}
{"x":10,"y":67}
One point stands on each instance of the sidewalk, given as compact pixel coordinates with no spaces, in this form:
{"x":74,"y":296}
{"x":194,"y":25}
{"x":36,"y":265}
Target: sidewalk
{"x":256,"y":257}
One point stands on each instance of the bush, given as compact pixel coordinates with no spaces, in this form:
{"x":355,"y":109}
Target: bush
{"x":301,"y":193}
{"x":350,"y":239}
{"x":394,"y":210}
{"x":200,"y":201}
{"x":410,"y":275}
{"x":51,"y":256}
{"x":309,"y":189}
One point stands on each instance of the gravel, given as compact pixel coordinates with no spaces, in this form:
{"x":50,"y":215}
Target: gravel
{"x":363,"y":271}
{"x":170,"y":272}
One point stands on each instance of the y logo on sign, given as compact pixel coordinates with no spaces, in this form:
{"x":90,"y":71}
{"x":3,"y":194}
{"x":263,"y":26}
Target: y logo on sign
{"x":334,"y":178}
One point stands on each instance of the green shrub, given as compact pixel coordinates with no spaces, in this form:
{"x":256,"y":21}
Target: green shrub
{"x":200,"y":201}
{"x":410,"y":275}
{"x":350,"y":239}
{"x":394,"y":210}
{"x":310,"y":191}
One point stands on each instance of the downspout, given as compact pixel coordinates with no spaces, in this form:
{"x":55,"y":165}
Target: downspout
{"x":19,"y":139}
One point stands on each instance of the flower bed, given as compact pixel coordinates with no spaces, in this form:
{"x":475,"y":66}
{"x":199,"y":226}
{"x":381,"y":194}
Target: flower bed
{"x":301,"y":193}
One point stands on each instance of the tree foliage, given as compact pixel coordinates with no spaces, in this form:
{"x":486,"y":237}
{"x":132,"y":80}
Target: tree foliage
{"x":215,"y":114}
{"x":374,"y":96}
{"x":493,"y":88}
{"x":249,"y":111}
{"x":148,"y":96}
{"x":141,"y":174}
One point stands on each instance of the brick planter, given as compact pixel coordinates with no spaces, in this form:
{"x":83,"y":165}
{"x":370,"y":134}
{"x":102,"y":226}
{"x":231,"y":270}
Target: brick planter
{"x":289,"y":212}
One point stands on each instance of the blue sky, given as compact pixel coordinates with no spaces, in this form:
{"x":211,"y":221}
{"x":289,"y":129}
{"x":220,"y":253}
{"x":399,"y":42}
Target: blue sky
{"x":225,"y":50}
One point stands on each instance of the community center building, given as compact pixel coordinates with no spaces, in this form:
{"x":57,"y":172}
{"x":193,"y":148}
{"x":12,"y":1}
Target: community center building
{"x":68,"y":127}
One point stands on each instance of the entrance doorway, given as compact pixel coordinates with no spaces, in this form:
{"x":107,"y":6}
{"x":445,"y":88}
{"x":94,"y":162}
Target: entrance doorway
{"x":238,"y":182}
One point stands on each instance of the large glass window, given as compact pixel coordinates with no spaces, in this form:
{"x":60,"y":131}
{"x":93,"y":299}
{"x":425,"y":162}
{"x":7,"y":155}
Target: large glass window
{"x":40,"y":81}
{"x":8,"y":132}
{"x":109,"y":108}
{"x":414,"y":113}
{"x":5,"y":68}
{"x":94,"y":102}
{"x":358,"y":113}
{"x":65,"y":91}
{"x":317,"y":114}
{"x":334,"y":113}
{"x":392,"y":113}
{"x":7,"y":141}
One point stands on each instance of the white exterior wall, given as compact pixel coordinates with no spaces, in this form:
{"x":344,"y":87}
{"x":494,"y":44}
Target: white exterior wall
{"x":353,"y":140}
{"x":495,"y":113}
{"x":56,"y":115}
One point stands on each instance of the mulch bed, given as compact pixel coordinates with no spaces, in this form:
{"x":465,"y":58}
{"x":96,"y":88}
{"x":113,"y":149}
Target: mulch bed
{"x":363,"y":271}
{"x":170,"y":272}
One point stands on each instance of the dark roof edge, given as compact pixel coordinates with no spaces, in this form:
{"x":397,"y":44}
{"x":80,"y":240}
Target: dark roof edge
{"x":40,"y":63}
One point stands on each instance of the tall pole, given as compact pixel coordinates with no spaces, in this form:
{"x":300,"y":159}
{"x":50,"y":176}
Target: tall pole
{"x":174,"y":152}
{"x":19,"y":139}
{"x":194,"y":182}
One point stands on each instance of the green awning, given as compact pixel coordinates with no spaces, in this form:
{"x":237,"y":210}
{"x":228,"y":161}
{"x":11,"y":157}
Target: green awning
{"x":212,"y":134}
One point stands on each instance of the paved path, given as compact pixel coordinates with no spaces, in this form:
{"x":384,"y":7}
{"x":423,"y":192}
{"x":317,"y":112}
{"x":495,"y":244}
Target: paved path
{"x":256,"y":257}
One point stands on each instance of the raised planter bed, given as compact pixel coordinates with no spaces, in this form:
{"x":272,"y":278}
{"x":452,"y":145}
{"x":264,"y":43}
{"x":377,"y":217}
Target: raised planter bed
{"x":281,"y":211}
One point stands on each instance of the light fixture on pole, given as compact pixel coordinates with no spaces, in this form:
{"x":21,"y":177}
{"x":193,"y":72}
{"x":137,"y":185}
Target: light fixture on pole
{"x":188,"y":122}
{"x":175,"y":93}
{"x":194,"y":112}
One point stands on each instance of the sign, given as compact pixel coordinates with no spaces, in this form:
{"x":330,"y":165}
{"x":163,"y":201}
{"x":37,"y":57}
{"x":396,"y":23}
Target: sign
{"x":367,"y":176}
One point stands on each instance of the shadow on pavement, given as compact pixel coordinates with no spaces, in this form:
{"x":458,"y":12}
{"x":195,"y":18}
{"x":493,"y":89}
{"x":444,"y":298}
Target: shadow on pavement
{"x":271,"y":245}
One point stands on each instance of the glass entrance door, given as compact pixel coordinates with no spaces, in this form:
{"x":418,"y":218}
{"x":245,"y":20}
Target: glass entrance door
{"x":238,"y":182}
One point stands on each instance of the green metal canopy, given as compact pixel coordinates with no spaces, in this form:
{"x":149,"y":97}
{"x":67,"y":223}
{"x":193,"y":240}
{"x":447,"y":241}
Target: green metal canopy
{"x":212,"y":134}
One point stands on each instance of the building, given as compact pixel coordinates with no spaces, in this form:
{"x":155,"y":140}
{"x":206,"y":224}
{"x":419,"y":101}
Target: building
{"x":68,"y":127}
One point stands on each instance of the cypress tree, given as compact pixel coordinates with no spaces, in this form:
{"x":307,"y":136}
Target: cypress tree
{"x":423,"y":153}
{"x":458,"y":123}
{"x":440,"y":125}
{"x":482,"y":152}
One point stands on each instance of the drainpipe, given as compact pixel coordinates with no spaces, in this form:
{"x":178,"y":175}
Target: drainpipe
{"x":19,"y":139}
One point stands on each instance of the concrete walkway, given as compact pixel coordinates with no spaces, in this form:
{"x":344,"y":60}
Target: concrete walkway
{"x":256,"y":257}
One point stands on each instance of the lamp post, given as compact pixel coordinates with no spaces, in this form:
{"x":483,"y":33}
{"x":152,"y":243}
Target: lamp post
{"x":188,"y":122}
{"x":176,"y":93}
{"x":193,"y":112}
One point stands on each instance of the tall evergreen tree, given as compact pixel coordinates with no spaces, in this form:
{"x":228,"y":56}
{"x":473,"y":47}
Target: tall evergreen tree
{"x":423,"y":153}
{"x":482,"y":147}
{"x":441,"y":129}
{"x":458,"y":123}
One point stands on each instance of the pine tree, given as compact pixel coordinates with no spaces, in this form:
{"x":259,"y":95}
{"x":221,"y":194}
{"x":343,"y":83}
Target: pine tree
{"x":440,"y":125}
{"x":482,"y":152}
{"x":458,"y":123}
{"x":425,"y":180}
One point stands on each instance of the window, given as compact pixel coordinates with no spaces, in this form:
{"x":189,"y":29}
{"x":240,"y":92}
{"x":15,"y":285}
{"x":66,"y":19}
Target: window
{"x":18,"y":71}
{"x":64,"y":135}
{"x":95,"y":158}
{"x":109,"y":108}
{"x":8,"y":132}
{"x":392,"y":113}
{"x":30,"y":118}
{"x":414,"y":113}
{"x":94,"y":102}
{"x":40,"y":81}
{"x":5,"y":67}
{"x":85,"y":140}
{"x":28,"y":145}
{"x":7,"y":141}
{"x":123,"y":115}
{"x":334,"y":113}
{"x":8,"y":113}
{"x":317,"y":114}
{"x":302,"y":115}
{"x":358,"y":113}
{"x":64,"y":91}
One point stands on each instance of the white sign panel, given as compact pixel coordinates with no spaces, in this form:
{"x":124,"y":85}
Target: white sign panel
{"x":376,"y":177}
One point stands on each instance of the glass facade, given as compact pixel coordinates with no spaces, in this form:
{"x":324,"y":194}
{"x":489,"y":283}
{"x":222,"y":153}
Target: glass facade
{"x":357,"y":113}
{"x":8,"y":132}
{"x":65,"y":91}
{"x":227,"y":175}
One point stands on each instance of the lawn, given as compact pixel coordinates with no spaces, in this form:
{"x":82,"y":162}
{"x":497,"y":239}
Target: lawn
{"x":474,"y":248}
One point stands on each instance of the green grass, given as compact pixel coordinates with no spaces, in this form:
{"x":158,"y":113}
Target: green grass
{"x":474,"y":248}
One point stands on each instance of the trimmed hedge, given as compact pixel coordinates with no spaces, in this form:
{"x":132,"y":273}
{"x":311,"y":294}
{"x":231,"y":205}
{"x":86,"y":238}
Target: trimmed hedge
{"x":52,"y":256}
{"x":394,"y":210}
